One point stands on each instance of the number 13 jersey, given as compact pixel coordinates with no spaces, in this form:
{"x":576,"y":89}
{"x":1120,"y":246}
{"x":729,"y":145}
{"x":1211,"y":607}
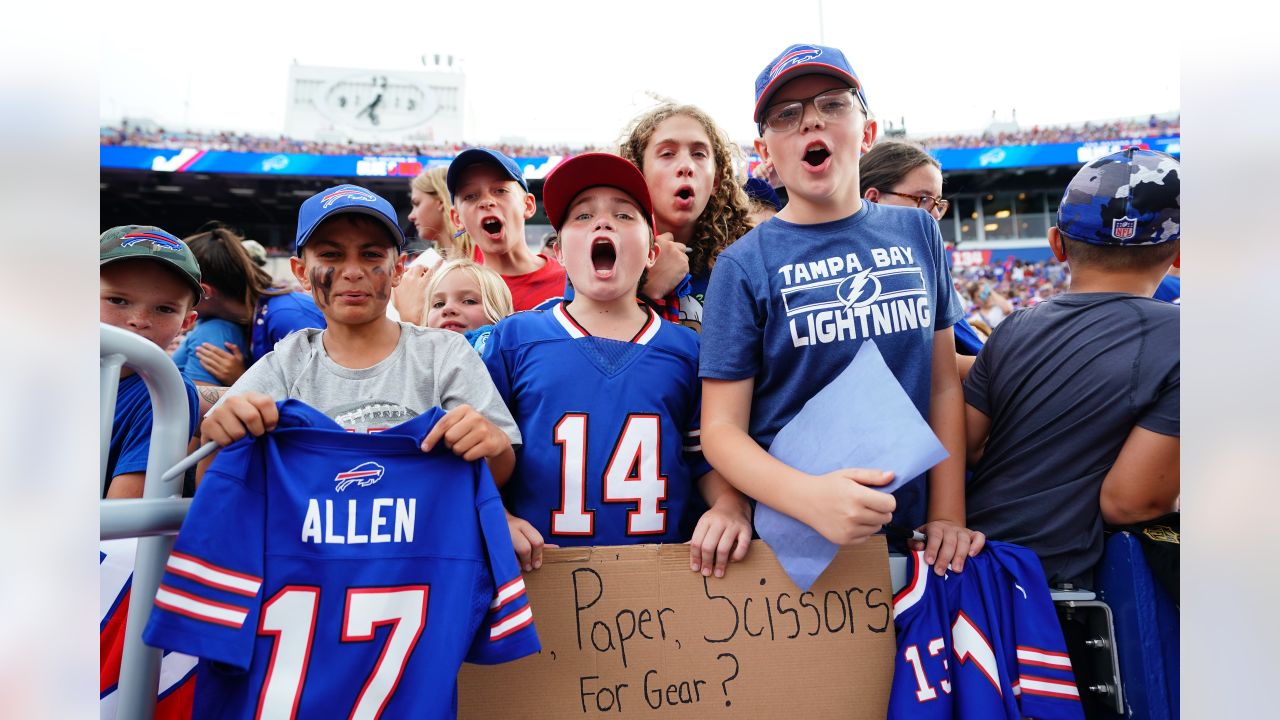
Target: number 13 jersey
{"x":611,"y":449}
{"x":984,"y":643}
{"x":323,"y":573}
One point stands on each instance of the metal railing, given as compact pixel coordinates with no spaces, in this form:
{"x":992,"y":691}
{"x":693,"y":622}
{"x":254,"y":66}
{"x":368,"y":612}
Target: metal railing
{"x":158,"y":514}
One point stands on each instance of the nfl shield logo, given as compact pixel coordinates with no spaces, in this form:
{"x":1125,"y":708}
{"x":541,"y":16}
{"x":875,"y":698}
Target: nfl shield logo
{"x":1124,"y":228}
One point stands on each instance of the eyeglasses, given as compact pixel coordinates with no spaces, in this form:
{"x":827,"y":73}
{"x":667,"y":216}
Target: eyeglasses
{"x":830,"y":105}
{"x":925,"y":202}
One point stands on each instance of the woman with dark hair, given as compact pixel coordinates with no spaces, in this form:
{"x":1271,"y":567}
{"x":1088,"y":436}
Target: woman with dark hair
{"x":242,"y":307}
{"x":899,"y":173}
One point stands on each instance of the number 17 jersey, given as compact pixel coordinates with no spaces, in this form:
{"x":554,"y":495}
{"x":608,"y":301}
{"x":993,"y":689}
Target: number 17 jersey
{"x":611,"y":450}
{"x":323,"y":573}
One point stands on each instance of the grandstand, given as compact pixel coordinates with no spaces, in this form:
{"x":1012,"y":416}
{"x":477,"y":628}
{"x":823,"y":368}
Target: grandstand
{"x":1005,"y":184}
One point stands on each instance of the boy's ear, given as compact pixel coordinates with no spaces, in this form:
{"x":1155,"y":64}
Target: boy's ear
{"x":872,"y":194}
{"x":189,"y":320}
{"x":455,"y":217}
{"x":762,"y":149}
{"x":299,"y":272}
{"x":397,"y":270}
{"x":530,"y":205}
{"x":1056,"y":245}
{"x":869,"y":131}
{"x":208,"y":290}
{"x":1177,"y":260}
{"x":654,"y":251}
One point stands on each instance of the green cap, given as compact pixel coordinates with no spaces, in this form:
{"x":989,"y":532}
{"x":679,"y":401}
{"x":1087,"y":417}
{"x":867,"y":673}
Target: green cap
{"x":128,"y":242}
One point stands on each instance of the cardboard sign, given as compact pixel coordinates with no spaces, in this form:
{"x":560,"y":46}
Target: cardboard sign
{"x":631,"y":632}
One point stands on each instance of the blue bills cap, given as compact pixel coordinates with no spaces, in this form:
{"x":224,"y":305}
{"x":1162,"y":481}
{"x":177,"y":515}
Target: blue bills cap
{"x":800,"y":60}
{"x":467,"y":158}
{"x":345,"y":199}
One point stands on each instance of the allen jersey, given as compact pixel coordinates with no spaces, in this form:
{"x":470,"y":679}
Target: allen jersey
{"x":610,"y":452}
{"x":984,"y":643}
{"x":322,"y":573}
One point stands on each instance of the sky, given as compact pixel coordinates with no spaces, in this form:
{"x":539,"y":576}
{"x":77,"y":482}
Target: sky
{"x":576,"y":72}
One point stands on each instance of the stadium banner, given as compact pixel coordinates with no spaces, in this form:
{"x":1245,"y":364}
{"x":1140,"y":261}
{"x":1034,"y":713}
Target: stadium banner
{"x":199,"y":160}
{"x":202,"y":160}
{"x":1014,"y":156}
{"x":970,"y":258}
{"x":631,"y":632}
{"x":979,"y":254}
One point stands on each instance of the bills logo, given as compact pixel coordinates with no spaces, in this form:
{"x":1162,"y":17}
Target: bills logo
{"x":348,"y":194}
{"x":804,"y":53}
{"x":1124,"y":228}
{"x":157,"y":240}
{"x":364,"y":475}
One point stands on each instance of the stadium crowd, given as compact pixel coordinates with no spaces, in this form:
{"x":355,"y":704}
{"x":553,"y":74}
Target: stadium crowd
{"x":137,"y":136}
{"x":1036,"y":135}
{"x":687,"y":321}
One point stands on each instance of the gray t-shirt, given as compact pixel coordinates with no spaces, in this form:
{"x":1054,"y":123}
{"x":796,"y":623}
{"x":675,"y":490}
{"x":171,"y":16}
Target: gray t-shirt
{"x":428,"y":368}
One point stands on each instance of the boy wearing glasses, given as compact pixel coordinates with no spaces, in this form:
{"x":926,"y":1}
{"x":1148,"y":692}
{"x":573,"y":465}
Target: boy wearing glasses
{"x":792,"y":301}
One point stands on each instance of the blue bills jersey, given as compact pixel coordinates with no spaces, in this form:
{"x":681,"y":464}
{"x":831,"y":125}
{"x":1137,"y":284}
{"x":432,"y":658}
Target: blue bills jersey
{"x":611,"y":451}
{"x":321,"y":573}
{"x":983,"y":643}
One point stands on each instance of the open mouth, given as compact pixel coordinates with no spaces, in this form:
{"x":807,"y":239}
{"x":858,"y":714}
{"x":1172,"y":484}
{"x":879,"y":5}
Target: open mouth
{"x":491,"y":225}
{"x":684,"y":197}
{"x":816,"y":154}
{"x":603,"y":256}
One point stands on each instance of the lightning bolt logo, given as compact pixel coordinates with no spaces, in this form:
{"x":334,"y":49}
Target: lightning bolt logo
{"x":855,"y":287}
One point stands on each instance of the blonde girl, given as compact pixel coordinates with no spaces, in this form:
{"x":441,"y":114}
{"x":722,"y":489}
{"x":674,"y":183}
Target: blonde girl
{"x":467,"y":298}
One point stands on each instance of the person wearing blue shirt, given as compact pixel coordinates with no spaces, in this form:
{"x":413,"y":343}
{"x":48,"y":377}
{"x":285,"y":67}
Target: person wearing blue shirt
{"x":149,"y":284}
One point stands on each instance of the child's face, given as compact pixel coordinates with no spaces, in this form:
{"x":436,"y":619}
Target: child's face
{"x":492,"y":208}
{"x":605,"y":244}
{"x":427,"y":214}
{"x":680,"y":170}
{"x":456,"y":304}
{"x":922,"y":180}
{"x":818,"y":159}
{"x":144,"y":297}
{"x":349,"y":267}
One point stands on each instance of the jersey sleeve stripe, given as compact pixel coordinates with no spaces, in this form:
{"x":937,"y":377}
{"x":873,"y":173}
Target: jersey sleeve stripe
{"x":507,"y":593}
{"x":213,"y":576}
{"x":693,"y":448}
{"x":1043,"y":658}
{"x":1050,"y":688}
{"x":206,"y":610}
{"x":914,"y":590}
{"x":510,"y":624}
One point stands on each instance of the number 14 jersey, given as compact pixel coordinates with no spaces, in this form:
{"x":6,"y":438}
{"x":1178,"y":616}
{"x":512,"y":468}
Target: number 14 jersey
{"x":611,"y":451}
{"x":322,"y":573}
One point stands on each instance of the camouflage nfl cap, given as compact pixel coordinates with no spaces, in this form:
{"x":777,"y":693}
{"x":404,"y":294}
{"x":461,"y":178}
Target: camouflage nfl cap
{"x":1128,"y":198}
{"x":128,"y":242}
